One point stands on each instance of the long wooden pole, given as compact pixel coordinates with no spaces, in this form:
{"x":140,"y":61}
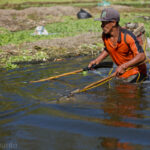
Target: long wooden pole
{"x":58,"y":76}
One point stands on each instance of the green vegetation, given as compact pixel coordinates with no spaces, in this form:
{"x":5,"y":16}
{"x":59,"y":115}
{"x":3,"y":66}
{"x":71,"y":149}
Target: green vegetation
{"x":77,"y":1}
{"x":137,"y":3}
{"x":23,"y":1}
{"x":68,"y":26}
{"x":22,"y":4}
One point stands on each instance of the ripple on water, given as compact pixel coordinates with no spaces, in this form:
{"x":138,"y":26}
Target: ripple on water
{"x":113,"y":114}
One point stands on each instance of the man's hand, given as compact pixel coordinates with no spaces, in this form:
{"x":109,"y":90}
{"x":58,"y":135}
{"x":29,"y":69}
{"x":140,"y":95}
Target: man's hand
{"x":100,"y":58}
{"x":120,"y":70}
{"x":94,"y":62}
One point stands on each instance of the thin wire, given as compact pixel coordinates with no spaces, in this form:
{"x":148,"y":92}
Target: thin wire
{"x":111,"y":70}
{"x":138,"y":77}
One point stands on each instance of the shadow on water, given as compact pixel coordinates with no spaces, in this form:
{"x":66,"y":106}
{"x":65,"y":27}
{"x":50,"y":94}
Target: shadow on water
{"x":113,"y":116}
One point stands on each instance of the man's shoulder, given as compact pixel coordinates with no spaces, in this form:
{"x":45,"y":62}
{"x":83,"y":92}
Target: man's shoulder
{"x":126,"y":31}
{"x":128,"y":35}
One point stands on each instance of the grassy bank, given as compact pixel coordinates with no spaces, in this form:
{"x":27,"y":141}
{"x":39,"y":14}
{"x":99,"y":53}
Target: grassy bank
{"x":68,"y":36}
{"x":70,"y":26}
{"x":21,"y":4}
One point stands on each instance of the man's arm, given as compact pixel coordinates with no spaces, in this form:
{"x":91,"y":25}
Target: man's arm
{"x":102,"y":56}
{"x":139,"y":58}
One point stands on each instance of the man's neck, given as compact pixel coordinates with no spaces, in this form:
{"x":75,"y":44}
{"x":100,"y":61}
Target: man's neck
{"x":115,"y":32}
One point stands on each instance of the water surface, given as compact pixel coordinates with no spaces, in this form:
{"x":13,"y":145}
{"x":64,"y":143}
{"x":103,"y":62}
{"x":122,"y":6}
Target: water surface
{"x":113,"y":116}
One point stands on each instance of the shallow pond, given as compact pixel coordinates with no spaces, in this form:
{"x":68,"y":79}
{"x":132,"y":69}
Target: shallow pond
{"x":112,"y":116}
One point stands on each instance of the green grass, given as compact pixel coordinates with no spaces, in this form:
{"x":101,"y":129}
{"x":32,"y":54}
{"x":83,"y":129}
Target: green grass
{"x":22,"y":1}
{"x":70,"y":27}
{"x":137,"y":3}
{"x":22,"y":4}
{"x":127,"y":2}
{"x":36,"y":1}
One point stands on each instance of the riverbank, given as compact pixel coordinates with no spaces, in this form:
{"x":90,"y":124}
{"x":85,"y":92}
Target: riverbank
{"x":68,"y":35}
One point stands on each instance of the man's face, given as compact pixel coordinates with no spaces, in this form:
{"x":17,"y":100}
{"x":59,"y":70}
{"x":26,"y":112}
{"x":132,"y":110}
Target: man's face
{"x":107,"y":26}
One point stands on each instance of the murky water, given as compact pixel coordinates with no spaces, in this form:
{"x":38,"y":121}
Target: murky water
{"x":113,"y":116}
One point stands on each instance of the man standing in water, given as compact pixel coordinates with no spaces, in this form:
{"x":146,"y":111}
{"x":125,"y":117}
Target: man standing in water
{"x":122,"y":46}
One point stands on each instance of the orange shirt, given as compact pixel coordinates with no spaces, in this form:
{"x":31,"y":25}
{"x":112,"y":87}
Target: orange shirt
{"x":125,"y":51}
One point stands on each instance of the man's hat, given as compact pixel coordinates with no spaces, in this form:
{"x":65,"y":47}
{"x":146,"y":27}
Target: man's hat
{"x":109,"y":14}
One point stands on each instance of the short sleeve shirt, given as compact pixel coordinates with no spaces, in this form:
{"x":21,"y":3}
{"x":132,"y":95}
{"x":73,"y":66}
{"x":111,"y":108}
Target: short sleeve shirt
{"x":126,"y":49}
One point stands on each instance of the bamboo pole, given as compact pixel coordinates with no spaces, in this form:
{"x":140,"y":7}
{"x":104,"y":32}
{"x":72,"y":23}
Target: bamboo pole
{"x":58,"y":76}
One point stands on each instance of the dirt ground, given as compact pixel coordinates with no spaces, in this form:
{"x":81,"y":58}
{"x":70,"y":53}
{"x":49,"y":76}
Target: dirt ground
{"x":15,"y":20}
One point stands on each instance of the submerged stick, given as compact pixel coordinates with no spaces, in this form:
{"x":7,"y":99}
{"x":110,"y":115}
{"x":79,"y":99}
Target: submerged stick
{"x":92,"y":85}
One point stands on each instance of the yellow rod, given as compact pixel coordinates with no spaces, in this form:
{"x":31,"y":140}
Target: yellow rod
{"x":58,"y":76}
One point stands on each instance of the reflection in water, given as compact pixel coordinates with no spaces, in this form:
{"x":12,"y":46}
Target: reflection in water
{"x":114,"y":144}
{"x":123,"y":103}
